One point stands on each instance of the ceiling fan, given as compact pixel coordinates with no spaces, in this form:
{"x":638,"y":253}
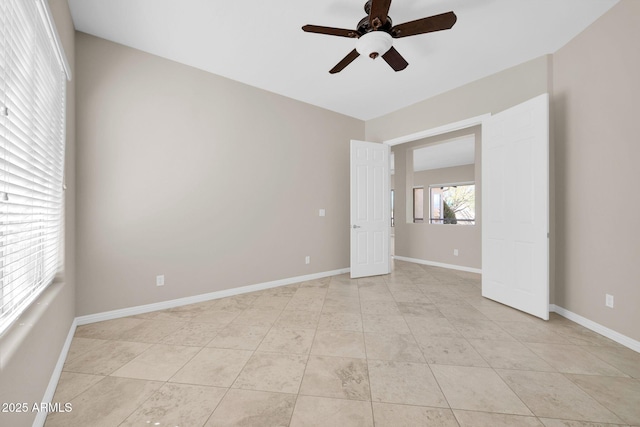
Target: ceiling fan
{"x":375,"y":34}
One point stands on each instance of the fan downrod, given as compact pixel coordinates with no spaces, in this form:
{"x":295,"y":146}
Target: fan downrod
{"x":367,"y":7}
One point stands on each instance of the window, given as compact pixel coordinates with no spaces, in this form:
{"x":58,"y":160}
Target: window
{"x":418,"y":204}
{"x":32,"y":104}
{"x":453,"y":204}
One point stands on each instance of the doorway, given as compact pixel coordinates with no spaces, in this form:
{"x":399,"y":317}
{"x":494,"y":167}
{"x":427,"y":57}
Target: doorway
{"x":514,"y":242}
{"x":437,"y":200}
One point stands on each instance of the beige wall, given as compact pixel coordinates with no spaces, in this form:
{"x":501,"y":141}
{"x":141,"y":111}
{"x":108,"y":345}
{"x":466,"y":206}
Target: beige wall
{"x":596,"y":92}
{"x":212,"y":183}
{"x":435,"y":242}
{"x":29,"y":350}
{"x":488,"y":95}
{"x":491,"y":94}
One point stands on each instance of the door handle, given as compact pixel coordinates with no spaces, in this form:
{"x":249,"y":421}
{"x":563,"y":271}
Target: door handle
{"x":356,"y":226}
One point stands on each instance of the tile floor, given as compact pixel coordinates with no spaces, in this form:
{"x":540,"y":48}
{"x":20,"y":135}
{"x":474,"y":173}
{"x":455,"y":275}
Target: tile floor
{"x":419,"y":347}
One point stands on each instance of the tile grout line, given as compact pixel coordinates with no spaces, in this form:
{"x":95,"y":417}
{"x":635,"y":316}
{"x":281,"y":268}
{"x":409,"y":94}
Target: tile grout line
{"x":593,"y":397}
{"x":366,"y":356}
{"x":202,"y":348}
{"x":295,"y":403}
{"x":229,"y":388}
{"x":431,"y":370}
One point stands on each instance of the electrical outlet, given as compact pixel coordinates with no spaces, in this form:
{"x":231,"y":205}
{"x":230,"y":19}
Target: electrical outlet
{"x":609,"y":301}
{"x":455,"y":252}
{"x":307,"y":259}
{"x":321,"y":212}
{"x":160,"y":280}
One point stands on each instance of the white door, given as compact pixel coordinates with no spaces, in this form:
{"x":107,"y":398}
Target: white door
{"x":370,"y":209}
{"x":515,"y":207}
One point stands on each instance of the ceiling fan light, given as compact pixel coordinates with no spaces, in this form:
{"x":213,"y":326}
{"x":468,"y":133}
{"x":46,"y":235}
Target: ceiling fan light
{"x":374,"y":44}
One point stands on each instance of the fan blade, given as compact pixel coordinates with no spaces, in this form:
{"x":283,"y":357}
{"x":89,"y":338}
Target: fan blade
{"x":346,"y":61}
{"x":379,"y":12}
{"x":395,"y":60}
{"x":440,"y":22}
{"x":330,"y":31}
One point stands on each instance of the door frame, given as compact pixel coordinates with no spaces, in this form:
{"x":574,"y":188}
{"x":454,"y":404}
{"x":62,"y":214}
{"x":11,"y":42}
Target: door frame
{"x":439,"y":130}
{"x":436,"y":131}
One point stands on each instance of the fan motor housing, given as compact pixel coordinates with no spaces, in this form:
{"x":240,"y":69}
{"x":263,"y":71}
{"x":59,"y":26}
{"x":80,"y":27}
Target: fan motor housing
{"x":364,"y":26}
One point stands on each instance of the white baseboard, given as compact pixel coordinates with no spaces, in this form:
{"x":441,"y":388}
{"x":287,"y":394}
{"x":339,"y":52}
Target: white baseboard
{"x":596,"y":327}
{"x":163,"y":305}
{"x":438,"y":264}
{"x":41,"y":417}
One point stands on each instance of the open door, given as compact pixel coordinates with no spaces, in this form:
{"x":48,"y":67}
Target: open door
{"x":370,"y":209}
{"x":515,"y":207}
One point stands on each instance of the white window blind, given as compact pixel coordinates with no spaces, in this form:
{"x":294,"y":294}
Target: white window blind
{"x":32,"y":139}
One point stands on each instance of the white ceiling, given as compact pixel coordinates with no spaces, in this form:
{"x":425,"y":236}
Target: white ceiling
{"x":453,"y":152}
{"x":261,"y":43}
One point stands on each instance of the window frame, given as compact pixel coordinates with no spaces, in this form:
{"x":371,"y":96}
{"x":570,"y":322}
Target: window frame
{"x":33,"y":104}
{"x":417,"y":220}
